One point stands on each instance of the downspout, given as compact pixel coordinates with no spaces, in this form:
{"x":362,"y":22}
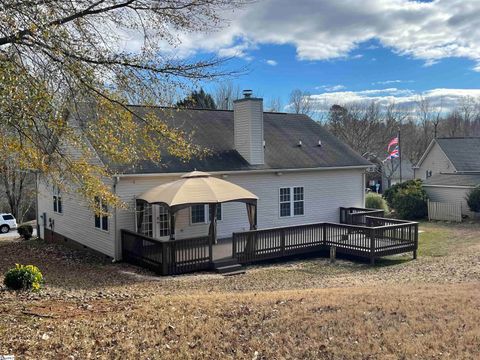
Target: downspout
{"x":36,"y":205}
{"x":116,"y":258}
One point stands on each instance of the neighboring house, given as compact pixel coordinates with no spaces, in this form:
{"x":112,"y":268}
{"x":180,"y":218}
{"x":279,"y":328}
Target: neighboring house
{"x":300,"y":172}
{"x":449,"y":155}
{"x":450,"y":168}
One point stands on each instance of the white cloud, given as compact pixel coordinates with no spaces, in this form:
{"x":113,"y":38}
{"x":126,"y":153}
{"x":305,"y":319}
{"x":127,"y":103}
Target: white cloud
{"x":389,"y":82}
{"x":330,"y":87}
{"x":271,"y":62}
{"x":444,"y":99}
{"x":330,"y":29}
{"x":358,"y":56}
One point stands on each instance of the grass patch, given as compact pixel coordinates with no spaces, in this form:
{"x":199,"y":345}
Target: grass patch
{"x":441,"y":238}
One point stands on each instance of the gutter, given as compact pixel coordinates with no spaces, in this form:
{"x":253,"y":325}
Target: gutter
{"x":234,"y":172}
{"x":451,"y":186}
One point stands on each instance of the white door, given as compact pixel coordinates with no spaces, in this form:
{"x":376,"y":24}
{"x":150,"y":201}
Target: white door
{"x":161,"y":228}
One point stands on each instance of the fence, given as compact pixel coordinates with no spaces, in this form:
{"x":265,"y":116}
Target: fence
{"x":444,"y":211}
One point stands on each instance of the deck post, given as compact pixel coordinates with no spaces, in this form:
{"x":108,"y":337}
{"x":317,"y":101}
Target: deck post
{"x":372,"y":245}
{"x":164,"y":258}
{"x":282,"y":241}
{"x":324,"y":226}
{"x":415,"y":236}
{"x":333,"y":254}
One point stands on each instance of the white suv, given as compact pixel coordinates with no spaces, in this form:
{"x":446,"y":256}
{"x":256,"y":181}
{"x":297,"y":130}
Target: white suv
{"x":7,"y":223}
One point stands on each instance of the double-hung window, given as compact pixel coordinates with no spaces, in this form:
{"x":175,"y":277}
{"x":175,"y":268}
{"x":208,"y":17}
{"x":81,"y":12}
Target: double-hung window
{"x":200,"y":214}
{"x":101,"y":220}
{"x":292,"y":201}
{"x":57,"y":200}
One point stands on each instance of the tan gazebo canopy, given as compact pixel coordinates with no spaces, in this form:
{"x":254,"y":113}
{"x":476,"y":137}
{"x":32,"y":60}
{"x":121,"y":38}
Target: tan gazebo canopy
{"x":196,"y":188}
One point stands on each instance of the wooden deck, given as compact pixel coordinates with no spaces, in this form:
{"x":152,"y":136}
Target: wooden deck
{"x":376,"y":237}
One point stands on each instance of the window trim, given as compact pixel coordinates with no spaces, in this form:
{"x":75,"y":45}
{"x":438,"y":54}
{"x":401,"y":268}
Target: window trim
{"x":291,"y":201}
{"x":101,"y":218}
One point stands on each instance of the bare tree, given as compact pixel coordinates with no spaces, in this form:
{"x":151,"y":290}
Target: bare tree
{"x":59,"y":59}
{"x":301,"y":102}
{"x":275,"y":105}
{"x":225,"y":94}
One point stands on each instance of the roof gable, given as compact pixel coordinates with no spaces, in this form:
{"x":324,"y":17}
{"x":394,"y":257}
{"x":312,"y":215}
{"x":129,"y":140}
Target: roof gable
{"x":464,"y":153}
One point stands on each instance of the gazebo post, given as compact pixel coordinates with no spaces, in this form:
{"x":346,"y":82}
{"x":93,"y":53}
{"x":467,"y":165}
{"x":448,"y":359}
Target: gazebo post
{"x":212,"y":231}
{"x":172,"y":224}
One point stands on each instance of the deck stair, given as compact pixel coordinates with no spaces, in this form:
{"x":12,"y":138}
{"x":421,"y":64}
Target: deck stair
{"x":228,"y":267}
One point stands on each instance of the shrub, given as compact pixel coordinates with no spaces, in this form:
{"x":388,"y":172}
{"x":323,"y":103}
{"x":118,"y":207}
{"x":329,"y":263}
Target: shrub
{"x":375,"y":201}
{"x":23,"y":277}
{"x":408,"y":199}
{"x":25,"y":231}
{"x":473,"y":199}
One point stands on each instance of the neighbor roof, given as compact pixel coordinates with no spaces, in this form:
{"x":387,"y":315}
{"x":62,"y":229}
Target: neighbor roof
{"x":463,"y":152}
{"x":213,"y":129}
{"x":454,"y":179}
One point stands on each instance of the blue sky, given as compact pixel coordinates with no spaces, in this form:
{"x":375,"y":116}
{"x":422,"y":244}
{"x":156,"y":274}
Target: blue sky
{"x":348,"y":50}
{"x":275,"y":70}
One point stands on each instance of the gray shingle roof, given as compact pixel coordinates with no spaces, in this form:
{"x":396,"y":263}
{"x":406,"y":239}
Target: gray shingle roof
{"x":464,"y":153}
{"x":454,"y":179}
{"x":213,"y":129}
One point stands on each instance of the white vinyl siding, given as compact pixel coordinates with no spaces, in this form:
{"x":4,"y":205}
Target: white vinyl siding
{"x":435,"y":162}
{"x":76,"y":222}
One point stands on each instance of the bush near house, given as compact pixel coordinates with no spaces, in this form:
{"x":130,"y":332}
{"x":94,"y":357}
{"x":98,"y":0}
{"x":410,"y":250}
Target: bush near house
{"x":23,"y":277}
{"x":25,"y":231}
{"x":408,"y":199}
{"x":473,"y":199}
{"x":375,"y":201}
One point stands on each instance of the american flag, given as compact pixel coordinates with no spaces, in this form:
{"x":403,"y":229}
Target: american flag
{"x":392,"y":142}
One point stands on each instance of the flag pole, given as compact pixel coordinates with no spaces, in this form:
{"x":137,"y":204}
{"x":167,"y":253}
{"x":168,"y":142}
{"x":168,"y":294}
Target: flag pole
{"x":400,"y":153}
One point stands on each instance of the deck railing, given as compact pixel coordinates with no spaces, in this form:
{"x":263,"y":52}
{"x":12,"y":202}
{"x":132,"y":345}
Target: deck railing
{"x":392,"y":237}
{"x":357,"y":216}
{"x":167,"y":257}
{"x":374,"y":238}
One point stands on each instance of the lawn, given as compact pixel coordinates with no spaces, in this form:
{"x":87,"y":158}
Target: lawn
{"x":305,"y":309}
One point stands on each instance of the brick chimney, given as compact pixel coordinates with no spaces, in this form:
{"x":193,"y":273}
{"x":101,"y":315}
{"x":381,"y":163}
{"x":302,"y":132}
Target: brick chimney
{"x":248,"y":128}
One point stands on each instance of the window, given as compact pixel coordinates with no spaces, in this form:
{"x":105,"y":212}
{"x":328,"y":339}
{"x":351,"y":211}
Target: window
{"x":298,"y":208}
{"x":285,"y":202}
{"x":57,"y":200}
{"x":292,"y":201}
{"x":8,"y":217}
{"x":147,"y":223}
{"x":101,"y":221}
{"x":200,"y":214}
{"x":163,"y":221}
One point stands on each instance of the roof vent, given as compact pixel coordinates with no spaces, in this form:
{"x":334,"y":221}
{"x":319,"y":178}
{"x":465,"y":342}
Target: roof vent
{"x":299,"y":143}
{"x":319,"y":143}
{"x":247,"y":94}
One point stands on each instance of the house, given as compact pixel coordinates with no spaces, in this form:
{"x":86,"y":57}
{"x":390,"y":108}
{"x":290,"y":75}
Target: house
{"x":300,"y":173}
{"x":450,"y":168}
{"x":449,"y":155}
